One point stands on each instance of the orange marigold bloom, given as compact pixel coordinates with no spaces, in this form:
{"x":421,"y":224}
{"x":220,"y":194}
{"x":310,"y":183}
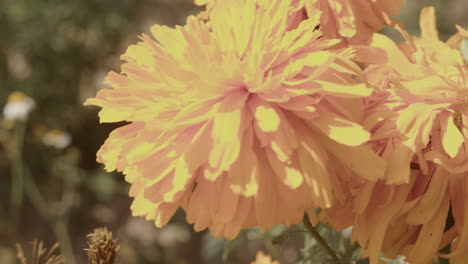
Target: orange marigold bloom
{"x":261,"y":258}
{"x":418,"y":120}
{"x":251,"y":120}
{"x":430,"y":81}
{"x":353,"y":20}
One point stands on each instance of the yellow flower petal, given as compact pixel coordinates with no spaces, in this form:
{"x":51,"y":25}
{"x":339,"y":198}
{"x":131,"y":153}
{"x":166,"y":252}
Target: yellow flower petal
{"x":351,"y":91}
{"x":341,"y":130}
{"x":267,"y":118}
{"x":226,"y":142}
{"x":427,"y":23}
{"x":452,"y":139}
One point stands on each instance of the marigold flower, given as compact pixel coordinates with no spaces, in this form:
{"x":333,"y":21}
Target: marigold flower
{"x":418,"y":124}
{"x":430,"y":82}
{"x":261,"y":258}
{"x":353,"y":20}
{"x":251,"y":120}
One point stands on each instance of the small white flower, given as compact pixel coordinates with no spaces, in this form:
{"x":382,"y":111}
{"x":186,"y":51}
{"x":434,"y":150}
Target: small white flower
{"x":18,"y":106}
{"x":57,"y":139}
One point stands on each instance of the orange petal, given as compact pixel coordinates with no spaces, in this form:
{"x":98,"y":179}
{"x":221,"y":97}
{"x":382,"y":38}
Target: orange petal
{"x":341,"y":130}
{"x":425,"y":209}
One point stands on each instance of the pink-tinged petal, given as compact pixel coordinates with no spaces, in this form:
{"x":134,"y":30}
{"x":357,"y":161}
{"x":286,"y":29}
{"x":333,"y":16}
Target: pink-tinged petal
{"x":243,"y":172}
{"x":165,"y":213}
{"x":363,"y":197}
{"x":396,"y":58}
{"x":283,"y":140}
{"x":425,"y":209}
{"x":302,"y":104}
{"x":380,"y":218}
{"x":350,"y":91}
{"x":320,"y":60}
{"x":453,"y":165}
{"x":289,"y":174}
{"x":360,"y":159}
{"x":183,"y":175}
{"x":398,"y":157}
{"x":370,"y":55}
{"x":423,"y":250}
{"x":414,"y":120}
{"x":266,"y":200}
{"x":459,"y":204}
{"x":226,"y":142}
{"x":341,"y":130}
{"x":196,"y":113}
{"x":312,"y":162}
{"x":195,"y":207}
{"x":345,"y":18}
{"x":228,"y":202}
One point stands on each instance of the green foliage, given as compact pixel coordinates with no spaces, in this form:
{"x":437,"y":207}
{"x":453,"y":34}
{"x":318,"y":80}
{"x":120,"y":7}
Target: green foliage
{"x":347,"y":252}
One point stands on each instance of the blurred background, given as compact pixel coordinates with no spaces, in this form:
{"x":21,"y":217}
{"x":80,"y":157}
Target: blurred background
{"x":53,"y":55}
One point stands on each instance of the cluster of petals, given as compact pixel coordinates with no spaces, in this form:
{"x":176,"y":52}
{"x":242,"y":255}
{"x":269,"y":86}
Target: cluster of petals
{"x":257,"y":111}
{"x":418,"y":118}
{"x":354,"y":21}
{"x":250,"y":120}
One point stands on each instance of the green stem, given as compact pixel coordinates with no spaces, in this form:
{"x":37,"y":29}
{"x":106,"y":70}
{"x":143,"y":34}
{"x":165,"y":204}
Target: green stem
{"x":315,"y":234}
{"x":3,"y":212}
{"x":271,"y":248}
{"x":22,"y":182}
{"x":61,"y":230}
{"x":17,"y":180}
{"x":63,"y":237}
{"x":34,"y":195}
{"x":58,"y":222}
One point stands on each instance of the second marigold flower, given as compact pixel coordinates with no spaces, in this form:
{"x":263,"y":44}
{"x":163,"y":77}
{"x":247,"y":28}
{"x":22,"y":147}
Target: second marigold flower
{"x":240,"y":122}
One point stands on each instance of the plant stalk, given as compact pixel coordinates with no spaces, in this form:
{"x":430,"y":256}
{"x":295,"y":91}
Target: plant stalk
{"x":17,"y":181}
{"x":316,"y":235}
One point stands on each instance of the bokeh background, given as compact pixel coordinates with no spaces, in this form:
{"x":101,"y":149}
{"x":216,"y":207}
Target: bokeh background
{"x":58,"y":52}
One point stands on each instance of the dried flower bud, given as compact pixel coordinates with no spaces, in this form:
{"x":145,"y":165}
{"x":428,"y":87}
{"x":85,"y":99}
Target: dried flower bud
{"x":102,"y":247}
{"x":40,"y":254}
